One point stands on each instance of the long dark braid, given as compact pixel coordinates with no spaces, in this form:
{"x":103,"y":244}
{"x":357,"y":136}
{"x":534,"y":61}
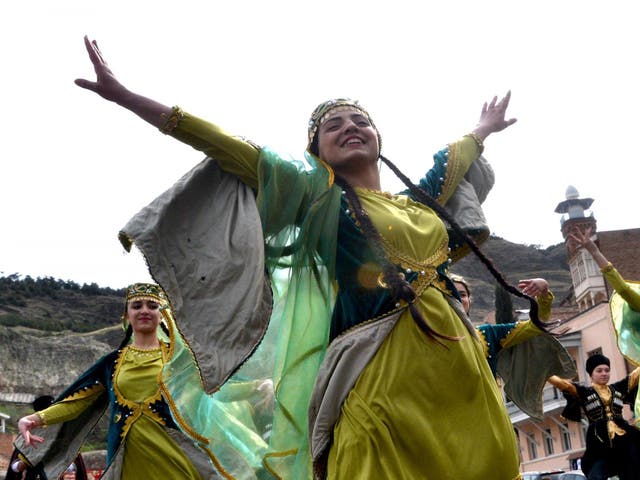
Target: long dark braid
{"x":165,"y":329}
{"x":422,"y":196}
{"x":127,"y":337}
{"x":399,"y":287}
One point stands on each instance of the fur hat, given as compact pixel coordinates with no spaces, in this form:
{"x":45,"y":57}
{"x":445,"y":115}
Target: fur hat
{"x":594,"y":360}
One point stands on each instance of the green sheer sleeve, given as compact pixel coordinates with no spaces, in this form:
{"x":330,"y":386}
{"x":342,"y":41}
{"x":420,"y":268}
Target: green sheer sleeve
{"x":626,"y":319}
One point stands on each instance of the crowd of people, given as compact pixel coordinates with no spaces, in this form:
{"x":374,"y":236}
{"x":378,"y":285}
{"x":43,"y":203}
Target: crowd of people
{"x":305,"y":323}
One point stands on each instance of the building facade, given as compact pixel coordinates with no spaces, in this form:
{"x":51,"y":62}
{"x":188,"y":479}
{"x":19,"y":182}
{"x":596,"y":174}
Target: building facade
{"x":556,"y":443}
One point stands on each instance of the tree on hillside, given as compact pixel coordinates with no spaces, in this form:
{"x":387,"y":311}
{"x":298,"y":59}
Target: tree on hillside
{"x":504,"y":305}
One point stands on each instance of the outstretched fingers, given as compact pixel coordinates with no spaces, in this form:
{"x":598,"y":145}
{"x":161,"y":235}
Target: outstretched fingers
{"x":32,"y":440}
{"x":533,"y":286}
{"x":504,"y":101}
{"x":106,"y":84}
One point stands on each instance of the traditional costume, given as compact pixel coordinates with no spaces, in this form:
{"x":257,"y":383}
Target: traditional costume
{"x":19,"y":468}
{"x":612,"y":446}
{"x":360,"y":390}
{"x":625,"y":313}
{"x":524,"y":357}
{"x":143,"y":439}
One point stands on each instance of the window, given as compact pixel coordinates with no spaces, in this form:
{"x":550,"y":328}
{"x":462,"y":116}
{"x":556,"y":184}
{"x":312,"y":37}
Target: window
{"x":575,"y":278}
{"x":548,"y":442}
{"x":592,"y":268}
{"x":531,"y":443}
{"x":566,"y":437}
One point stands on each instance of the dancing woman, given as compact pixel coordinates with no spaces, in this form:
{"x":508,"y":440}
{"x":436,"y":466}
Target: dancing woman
{"x":378,"y":374}
{"x":143,"y":440}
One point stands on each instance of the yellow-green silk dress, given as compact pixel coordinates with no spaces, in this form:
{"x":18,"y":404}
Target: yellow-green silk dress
{"x":420,"y":409}
{"x":149,"y":452}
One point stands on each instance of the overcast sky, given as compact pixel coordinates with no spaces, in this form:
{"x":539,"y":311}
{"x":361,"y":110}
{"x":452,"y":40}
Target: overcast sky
{"x":74,"y":168}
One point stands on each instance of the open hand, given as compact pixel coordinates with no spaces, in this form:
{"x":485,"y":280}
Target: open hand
{"x":534,"y":286}
{"x":106,"y":84}
{"x":581,"y":238}
{"x":492,"y":117}
{"x":25,"y":424}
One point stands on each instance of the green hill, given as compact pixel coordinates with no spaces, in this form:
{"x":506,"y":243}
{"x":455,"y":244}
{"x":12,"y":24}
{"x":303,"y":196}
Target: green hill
{"x":56,"y":305}
{"x":515,"y":262}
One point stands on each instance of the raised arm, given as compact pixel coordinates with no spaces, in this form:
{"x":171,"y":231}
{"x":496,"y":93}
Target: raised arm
{"x":539,"y":289}
{"x":563,"y":385}
{"x":584,"y":240}
{"x":233,"y":154}
{"x":108,"y":87}
{"x":492,"y":117}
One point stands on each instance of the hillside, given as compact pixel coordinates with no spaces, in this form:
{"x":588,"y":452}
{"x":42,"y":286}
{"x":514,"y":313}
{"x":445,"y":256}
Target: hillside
{"x":515,"y":262}
{"x":52,"y":330}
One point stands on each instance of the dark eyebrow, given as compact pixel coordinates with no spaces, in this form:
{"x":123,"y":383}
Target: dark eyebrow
{"x":353,"y":116}
{"x":332,"y":120}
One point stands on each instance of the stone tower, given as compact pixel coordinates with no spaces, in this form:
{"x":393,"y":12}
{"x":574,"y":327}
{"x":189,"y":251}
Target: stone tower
{"x":588,"y":283}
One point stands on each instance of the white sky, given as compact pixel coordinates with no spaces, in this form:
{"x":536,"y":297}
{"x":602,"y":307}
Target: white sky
{"x":74,"y":168}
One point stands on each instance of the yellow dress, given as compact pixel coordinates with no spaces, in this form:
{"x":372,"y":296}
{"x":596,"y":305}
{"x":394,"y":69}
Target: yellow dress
{"x":149,"y":452}
{"x":421,"y":410}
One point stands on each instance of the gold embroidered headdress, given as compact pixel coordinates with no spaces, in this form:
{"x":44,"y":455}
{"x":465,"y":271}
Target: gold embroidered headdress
{"x":146,"y":291}
{"x":143,"y":291}
{"x":321,"y":113}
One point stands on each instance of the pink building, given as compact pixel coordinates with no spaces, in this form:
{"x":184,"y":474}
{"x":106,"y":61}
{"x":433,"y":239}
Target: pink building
{"x":556,"y":443}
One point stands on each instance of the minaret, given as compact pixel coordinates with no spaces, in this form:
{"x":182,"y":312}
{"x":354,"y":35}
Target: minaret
{"x":588,"y":283}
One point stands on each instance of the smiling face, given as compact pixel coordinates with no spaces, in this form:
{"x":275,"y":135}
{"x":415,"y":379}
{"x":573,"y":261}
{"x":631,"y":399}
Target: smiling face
{"x":347,"y":139}
{"x":143,"y":315}
{"x":601,"y":375}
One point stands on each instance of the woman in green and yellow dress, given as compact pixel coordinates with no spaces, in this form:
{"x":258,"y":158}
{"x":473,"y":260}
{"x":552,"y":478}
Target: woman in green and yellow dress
{"x":143,"y":441}
{"x":377,"y":371}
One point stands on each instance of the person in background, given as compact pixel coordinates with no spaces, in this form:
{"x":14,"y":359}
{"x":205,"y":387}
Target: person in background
{"x":144,"y":440}
{"x":512,"y":349}
{"x":495,"y":337}
{"x":613,"y":446}
{"x":629,"y":291}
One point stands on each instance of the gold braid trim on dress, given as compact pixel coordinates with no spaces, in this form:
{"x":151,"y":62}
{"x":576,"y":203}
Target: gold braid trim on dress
{"x":426,"y":269}
{"x":451,"y":173}
{"x":170,"y":321}
{"x":136,"y":409}
{"x":484,"y":342}
{"x":171,"y":121}
{"x":216,"y":464}
{"x":266,"y":465}
{"x":454,"y":165}
{"x":84,"y":392}
{"x":476,"y":138}
{"x":332,"y":175}
{"x":513,"y":332}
